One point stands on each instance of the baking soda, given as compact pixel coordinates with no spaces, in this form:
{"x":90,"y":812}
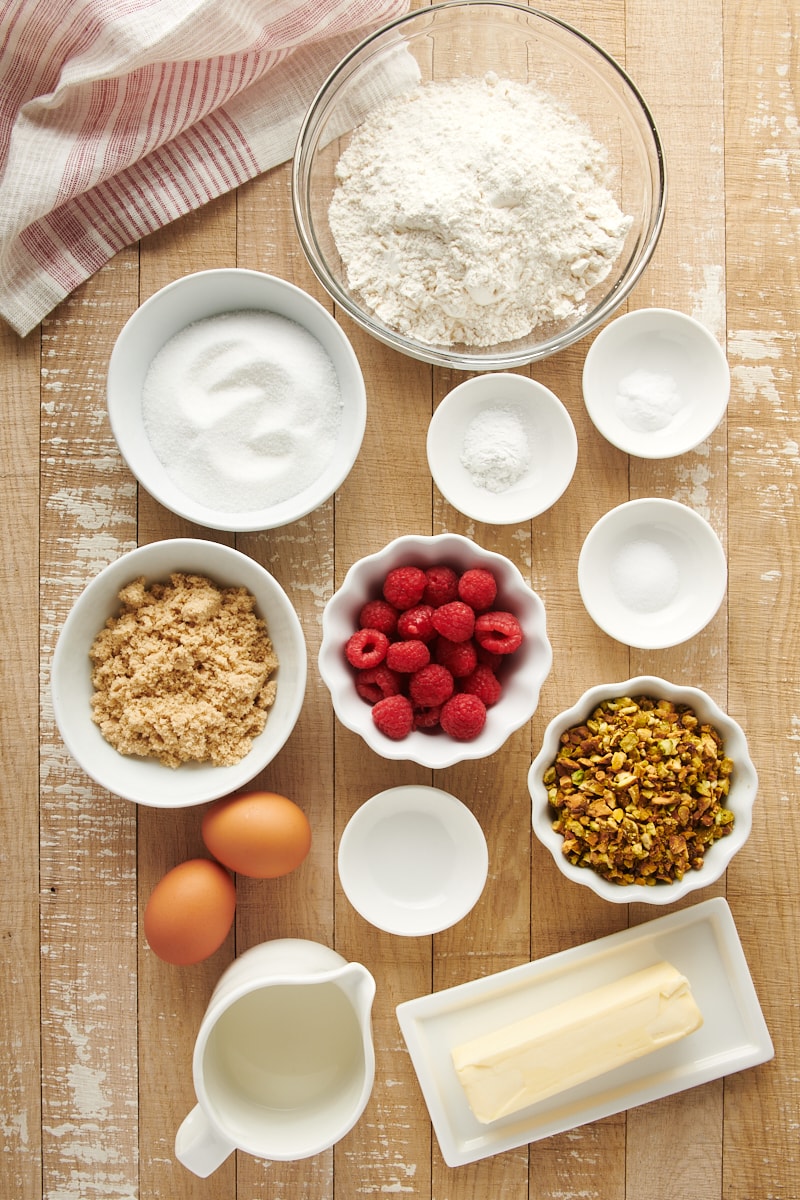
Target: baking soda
{"x":473,"y":211}
{"x":496,"y":450}
{"x":243,"y":410}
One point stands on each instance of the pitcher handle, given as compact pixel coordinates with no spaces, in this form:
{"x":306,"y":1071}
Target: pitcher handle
{"x":198,"y":1145}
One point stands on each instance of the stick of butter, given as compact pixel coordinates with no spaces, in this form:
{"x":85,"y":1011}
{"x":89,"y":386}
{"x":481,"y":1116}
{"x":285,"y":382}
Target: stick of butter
{"x":507,"y":1069}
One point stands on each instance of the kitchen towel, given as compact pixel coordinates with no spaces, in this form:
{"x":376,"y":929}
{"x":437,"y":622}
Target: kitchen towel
{"x":118,"y":116}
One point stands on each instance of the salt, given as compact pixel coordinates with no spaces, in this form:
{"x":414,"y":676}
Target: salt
{"x":495,"y":450}
{"x":648,"y":400}
{"x":243,"y":410}
{"x":645,"y":576}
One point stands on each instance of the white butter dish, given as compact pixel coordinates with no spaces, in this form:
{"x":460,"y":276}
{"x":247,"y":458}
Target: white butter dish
{"x":702,"y":942}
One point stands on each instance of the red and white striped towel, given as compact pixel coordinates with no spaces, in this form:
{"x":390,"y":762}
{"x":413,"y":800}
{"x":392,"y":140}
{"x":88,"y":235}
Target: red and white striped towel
{"x":117,"y":116}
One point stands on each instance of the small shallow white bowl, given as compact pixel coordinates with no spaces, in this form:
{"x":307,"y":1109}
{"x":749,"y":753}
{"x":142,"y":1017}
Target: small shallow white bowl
{"x":413,"y":860}
{"x":145,"y":780}
{"x":522,"y":678}
{"x":551,"y":447}
{"x":656,"y":383}
{"x":744,"y":786}
{"x":207,"y":294}
{"x":652,"y":573}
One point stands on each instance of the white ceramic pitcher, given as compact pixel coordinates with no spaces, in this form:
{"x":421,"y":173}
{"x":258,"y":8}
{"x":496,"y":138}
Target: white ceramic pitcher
{"x":284,"y":1062}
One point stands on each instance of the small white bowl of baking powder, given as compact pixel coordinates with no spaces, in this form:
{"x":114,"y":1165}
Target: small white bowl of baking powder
{"x":502,"y":448}
{"x":656,"y":383}
{"x":652,"y":573}
{"x":236,"y":399}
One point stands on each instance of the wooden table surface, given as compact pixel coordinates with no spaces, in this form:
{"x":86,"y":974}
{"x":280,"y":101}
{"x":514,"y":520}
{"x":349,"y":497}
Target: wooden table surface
{"x":98,"y":1032}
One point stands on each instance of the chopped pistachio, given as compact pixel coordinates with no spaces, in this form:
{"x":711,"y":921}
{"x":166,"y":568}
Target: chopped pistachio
{"x":637,"y":791}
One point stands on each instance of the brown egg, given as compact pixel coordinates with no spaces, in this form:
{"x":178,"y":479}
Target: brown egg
{"x":260,"y":834}
{"x":190,"y":912}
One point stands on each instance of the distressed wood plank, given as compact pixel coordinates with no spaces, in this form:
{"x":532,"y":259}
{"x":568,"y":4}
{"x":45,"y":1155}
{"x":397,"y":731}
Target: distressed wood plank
{"x":762,"y":157}
{"x":20,"y":1093}
{"x":87,"y":836}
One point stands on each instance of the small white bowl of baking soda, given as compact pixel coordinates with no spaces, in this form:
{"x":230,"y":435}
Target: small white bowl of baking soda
{"x":236,"y":399}
{"x":501,"y":448}
{"x":656,"y":383}
{"x":652,"y":573}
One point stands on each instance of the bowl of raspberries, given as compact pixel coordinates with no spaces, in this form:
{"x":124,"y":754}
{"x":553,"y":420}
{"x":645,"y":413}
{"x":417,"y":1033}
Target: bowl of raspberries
{"x":434,"y":650}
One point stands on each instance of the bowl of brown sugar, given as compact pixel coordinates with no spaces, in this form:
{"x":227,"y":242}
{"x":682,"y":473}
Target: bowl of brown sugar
{"x":179,"y":673}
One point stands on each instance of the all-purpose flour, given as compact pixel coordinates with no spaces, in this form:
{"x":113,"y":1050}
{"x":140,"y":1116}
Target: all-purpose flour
{"x":474,"y":211}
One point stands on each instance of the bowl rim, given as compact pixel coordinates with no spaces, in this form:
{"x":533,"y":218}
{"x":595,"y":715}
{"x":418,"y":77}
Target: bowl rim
{"x":220,"y":781}
{"x":745,"y":787}
{"x":653,"y":445}
{"x":538,"y":393}
{"x":426,"y":751}
{"x":438,"y":355}
{"x":470,"y":844}
{"x":286,"y":511}
{"x":703,"y":614}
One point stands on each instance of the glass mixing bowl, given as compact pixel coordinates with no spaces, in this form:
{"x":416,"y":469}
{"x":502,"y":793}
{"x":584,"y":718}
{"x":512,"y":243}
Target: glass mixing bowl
{"x":477,"y":38}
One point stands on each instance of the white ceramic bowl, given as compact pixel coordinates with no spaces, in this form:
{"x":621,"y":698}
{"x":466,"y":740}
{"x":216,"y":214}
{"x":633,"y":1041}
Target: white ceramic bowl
{"x":413,"y":860}
{"x":656,"y":383}
{"x":512,"y":478}
{"x":652,"y":573}
{"x":744,"y":786}
{"x":522,"y":676}
{"x":442,"y":43}
{"x":208,"y":294}
{"x":145,"y":780}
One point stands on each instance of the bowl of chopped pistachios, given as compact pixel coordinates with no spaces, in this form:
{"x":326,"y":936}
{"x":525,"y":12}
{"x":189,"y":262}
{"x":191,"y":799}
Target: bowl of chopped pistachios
{"x":643,"y":790}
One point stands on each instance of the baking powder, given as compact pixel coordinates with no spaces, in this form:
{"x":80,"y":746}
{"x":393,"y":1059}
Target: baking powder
{"x":243,"y":409}
{"x":648,"y":400}
{"x":473,"y":211}
{"x":496,"y":449}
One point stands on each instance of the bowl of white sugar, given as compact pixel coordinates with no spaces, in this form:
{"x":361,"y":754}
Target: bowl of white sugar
{"x":656,"y":383}
{"x":652,"y":573}
{"x":501,"y":447}
{"x":236,"y":399}
{"x":478,"y":185}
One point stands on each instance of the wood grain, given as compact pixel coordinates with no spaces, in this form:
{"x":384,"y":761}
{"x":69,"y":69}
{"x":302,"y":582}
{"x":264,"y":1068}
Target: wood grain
{"x":98,"y":1032}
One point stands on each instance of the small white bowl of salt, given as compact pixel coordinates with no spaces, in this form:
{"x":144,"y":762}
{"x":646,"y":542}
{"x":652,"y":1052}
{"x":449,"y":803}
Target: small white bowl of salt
{"x":652,"y":573}
{"x":501,"y":448}
{"x":656,"y":383}
{"x":236,"y":399}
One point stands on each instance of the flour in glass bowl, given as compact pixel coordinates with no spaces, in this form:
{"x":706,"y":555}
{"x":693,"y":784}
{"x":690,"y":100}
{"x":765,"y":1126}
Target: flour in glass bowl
{"x":472,"y":211}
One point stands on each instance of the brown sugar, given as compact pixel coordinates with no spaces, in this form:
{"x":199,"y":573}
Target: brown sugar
{"x":184,"y":673}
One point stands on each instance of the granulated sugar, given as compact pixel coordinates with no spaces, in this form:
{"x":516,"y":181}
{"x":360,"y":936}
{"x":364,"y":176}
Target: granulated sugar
{"x":243,"y":410}
{"x":474,"y":211}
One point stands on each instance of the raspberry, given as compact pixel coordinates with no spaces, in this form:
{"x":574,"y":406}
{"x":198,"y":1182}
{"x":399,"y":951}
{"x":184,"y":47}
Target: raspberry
{"x":408,"y":656}
{"x":460,"y":658}
{"x":403,"y":587}
{"x":366,"y":648}
{"x":488,"y":658}
{"x":426,"y":718}
{"x":394,"y":717}
{"x":378,"y":614}
{"x":477,"y":587}
{"x":431,"y":686}
{"x":375,"y":683}
{"x":483,"y":683}
{"x":463,"y":716}
{"x":454,"y":621}
{"x":498,"y":632}
{"x":416,"y":623}
{"x":441,"y":586}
